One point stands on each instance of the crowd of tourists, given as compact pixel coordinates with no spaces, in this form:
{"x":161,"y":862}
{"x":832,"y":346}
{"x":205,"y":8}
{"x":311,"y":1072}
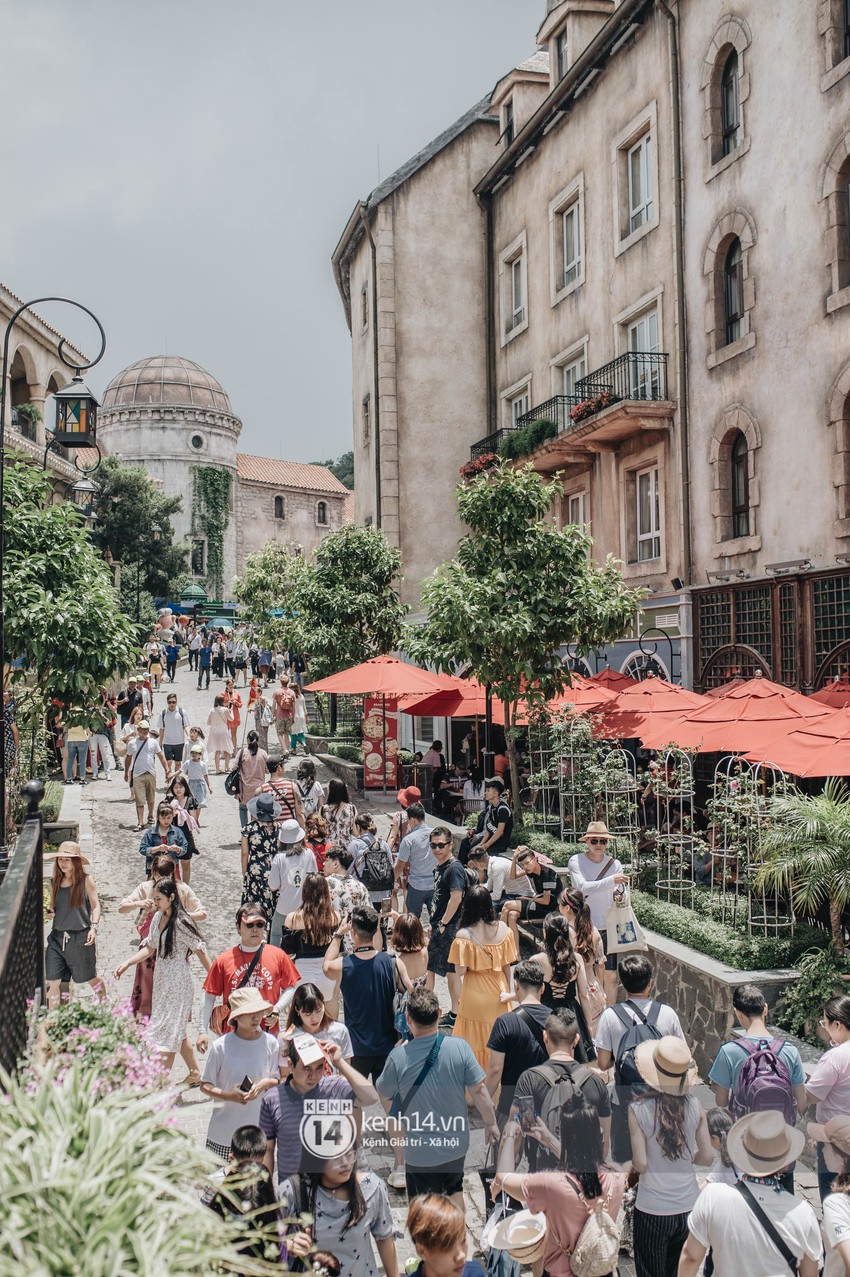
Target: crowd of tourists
{"x":327,"y":1007}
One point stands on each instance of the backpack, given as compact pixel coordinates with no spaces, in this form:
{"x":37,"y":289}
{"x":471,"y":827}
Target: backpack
{"x":626,"y":1073}
{"x":563,"y":1085}
{"x":233,"y":779}
{"x":764,"y":1082}
{"x":376,"y":869}
{"x":597,"y":1249}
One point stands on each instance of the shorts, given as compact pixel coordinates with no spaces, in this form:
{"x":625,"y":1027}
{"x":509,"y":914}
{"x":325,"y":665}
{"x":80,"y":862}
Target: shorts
{"x":438,"y":950}
{"x":611,"y":959}
{"x":73,"y":960}
{"x":370,"y":1065}
{"x":447,"y":1179}
{"x":144,"y":789}
{"x":174,"y":753}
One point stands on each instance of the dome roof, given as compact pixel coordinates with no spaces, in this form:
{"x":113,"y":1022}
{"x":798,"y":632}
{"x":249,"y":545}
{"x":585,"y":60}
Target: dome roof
{"x":167,"y":380}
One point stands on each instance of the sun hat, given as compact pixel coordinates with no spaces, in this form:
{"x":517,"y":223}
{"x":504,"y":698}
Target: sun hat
{"x":131,"y":678}
{"x":291,"y":832}
{"x":763,"y":1143}
{"x":409,"y":795}
{"x":197,"y":748}
{"x":835,"y":1137}
{"x":247,"y":1002}
{"x":71,"y":850}
{"x":265,"y":807}
{"x":522,"y":1235}
{"x":596,"y":829}
{"x":666,"y":1065}
{"x":143,"y":725}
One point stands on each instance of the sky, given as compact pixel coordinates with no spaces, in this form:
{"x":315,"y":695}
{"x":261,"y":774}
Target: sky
{"x":185,"y":168}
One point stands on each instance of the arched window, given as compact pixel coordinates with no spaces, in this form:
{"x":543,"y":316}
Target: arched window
{"x":740,"y":486}
{"x":733,"y":292}
{"x":321,"y":512}
{"x":279,"y":508}
{"x":730,"y":105}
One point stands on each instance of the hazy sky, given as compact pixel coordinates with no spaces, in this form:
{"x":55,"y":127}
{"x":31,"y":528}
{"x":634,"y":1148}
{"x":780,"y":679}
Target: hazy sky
{"x":185,"y":169}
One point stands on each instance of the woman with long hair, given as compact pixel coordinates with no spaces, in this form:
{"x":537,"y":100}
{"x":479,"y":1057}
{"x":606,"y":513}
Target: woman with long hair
{"x":71,"y":952}
{"x":588,"y":945}
{"x":350,"y":1210}
{"x":307,"y":933}
{"x":219,"y":742}
{"x":339,"y":812}
{"x":173,"y":938}
{"x":184,"y":805}
{"x":252,"y":763}
{"x":140,"y":902}
{"x":259,"y":848}
{"x":317,"y":838}
{"x":310,"y":1013}
{"x":482,"y":952}
{"x":582,"y":1176}
{"x":669,"y":1135}
{"x":828,"y":1085}
{"x":565,"y":981}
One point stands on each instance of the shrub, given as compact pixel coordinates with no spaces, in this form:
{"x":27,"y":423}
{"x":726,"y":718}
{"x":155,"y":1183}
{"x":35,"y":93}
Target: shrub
{"x":522,"y":442}
{"x":820,"y":979}
{"x":109,"y":1038}
{"x":349,"y":753}
{"x":51,"y":804}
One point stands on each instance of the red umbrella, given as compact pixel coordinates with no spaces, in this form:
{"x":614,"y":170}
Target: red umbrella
{"x":725,"y":687}
{"x":747,"y":717}
{"x":817,"y":748}
{"x":613,"y":680}
{"x":382,"y":676}
{"x":650,"y":701}
{"x":836,"y":695}
{"x":585,"y":695}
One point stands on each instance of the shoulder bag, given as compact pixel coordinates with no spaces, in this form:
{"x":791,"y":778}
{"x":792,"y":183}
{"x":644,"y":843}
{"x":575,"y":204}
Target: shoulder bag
{"x":218,"y":1019}
{"x":400,"y":1103}
{"x":233,"y":779}
{"x":533,"y":1028}
{"x":767,"y":1224}
{"x":597,"y":1247}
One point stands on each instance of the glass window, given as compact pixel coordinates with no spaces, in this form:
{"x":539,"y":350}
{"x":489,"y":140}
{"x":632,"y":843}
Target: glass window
{"x":576,"y":508}
{"x":572,"y":244}
{"x":730,"y":105}
{"x":648,"y":515}
{"x":519,"y":407}
{"x":321,"y":512}
{"x":571,"y":373}
{"x":733,"y":292}
{"x":364,"y":306}
{"x":740,"y":487}
{"x":366,"y":419}
{"x":279,"y":508}
{"x":562,"y":53}
{"x":509,"y":122}
{"x":198,"y":556}
{"x":640,"y":183}
{"x":517,"y":268}
{"x":644,"y":374}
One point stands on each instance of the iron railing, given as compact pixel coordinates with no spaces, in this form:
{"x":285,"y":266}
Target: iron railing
{"x":557,"y":409}
{"x":21,"y":934}
{"x":491,"y":443}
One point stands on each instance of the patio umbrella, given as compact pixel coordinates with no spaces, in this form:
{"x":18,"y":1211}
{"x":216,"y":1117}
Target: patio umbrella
{"x":836,"y":695}
{"x":613,"y":680}
{"x":748,"y":717}
{"x":585,"y":695}
{"x":724,"y":688}
{"x":820,"y":747}
{"x":651,"y":701}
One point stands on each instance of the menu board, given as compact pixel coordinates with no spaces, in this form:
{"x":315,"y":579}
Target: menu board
{"x":375,"y":736}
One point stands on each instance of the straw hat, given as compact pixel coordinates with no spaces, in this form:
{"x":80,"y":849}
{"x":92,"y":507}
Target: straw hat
{"x":596,"y":829}
{"x":247,"y":1002}
{"x":666,"y":1065}
{"x":763,"y":1143}
{"x":835,"y":1137}
{"x":290,"y":832}
{"x":522,"y":1235}
{"x":69,"y":849}
{"x":409,"y":795}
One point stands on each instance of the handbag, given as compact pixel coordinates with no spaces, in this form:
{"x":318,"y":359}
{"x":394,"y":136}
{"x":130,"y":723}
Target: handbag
{"x":400,"y":1008}
{"x":233,"y":779}
{"x":597,"y":1248}
{"x":624,"y":932}
{"x":218,"y":1019}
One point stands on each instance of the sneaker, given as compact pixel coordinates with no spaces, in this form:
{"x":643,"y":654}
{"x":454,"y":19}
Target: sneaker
{"x":397,"y":1178}
{"x":448,"y":1020}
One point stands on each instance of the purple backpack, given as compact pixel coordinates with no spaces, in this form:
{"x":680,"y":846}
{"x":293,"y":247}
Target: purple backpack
{"x":764,"y":1082}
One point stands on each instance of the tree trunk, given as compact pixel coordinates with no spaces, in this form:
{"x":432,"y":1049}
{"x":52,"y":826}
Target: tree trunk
{"x":510,"y":714}
{"x":837,"y":929}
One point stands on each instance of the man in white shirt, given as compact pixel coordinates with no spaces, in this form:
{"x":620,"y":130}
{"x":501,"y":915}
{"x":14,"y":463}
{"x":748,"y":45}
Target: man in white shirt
{"x":636,"y":977}
{"x":493,"y":873}
{"x":143,"y":753}
{"x":726,"y":1218}
{"x":596,"y":872}
{"x":173,"y":733}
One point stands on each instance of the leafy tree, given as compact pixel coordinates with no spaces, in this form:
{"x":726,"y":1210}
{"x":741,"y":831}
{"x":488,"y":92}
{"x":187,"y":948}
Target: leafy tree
{"x":61,"y":611}
{"x":343,"y":468}
{"x":518,"y":589}
{"x":127,"y":506}
{"x":266,"y":594}
{"x":806,"y":852}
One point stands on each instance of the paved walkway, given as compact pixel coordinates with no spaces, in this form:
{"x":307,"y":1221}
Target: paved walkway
{"x":108,"y":817}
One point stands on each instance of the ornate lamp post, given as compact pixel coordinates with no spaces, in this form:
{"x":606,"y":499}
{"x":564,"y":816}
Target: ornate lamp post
{"x":76,"y":421}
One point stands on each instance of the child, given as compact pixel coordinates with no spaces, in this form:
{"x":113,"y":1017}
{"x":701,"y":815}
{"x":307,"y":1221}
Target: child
{"x":197,"y":774}
{"x":184,"y":811}
{"x":196,"y":737}
{"x":309,"y":1014}
{"x":245,"y":1187}
{"x":722,"y":1170}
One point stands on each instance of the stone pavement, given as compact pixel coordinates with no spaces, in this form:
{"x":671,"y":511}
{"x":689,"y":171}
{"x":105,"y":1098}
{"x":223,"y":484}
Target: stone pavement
{"x":107,"y":820}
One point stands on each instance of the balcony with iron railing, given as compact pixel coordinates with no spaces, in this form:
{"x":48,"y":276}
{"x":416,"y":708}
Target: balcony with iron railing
{"x":624,"y":398}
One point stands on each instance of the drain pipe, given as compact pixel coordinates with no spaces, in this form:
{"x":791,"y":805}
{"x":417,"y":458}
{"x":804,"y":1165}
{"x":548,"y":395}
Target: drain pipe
{"x":376,"y":414}
{"x":679,"y":254}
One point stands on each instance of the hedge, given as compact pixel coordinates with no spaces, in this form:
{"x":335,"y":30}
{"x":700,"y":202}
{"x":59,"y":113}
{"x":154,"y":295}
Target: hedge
{"x":349,"y":753}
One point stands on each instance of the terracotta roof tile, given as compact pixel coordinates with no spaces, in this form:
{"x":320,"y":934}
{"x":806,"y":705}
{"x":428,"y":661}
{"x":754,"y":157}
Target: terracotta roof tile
{"x":287,"y":474}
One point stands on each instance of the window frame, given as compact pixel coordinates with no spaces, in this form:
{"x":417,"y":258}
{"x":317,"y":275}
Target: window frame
{"x":562,"y":64}
{"x":322,"y":506}
{"x":515,"y":252}
{"x":652,"y":536}
{"x":638,"y":381}
{"x":509,"y":131}
{"x":639,"y":136}
{"x":572,"y":268}
{"x":364,"y":307}
{"x":508,"y":396}
{"x":739,"y":486}
{"x":730,"y":130}
{"x":640,"y":210}
{"x":523,"y":401}
{"x":733,"y":294}
{"x":568,"y":201}
{"x":366,"y":419}
{"x":731,"y":38}
{"x":279,"y":502}
{"x":580,"y":495}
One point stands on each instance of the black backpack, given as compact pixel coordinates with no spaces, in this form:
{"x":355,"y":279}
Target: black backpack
{"x":564,"y":1082}
{"x":376,"y":868}
{"x":626,"y":1075}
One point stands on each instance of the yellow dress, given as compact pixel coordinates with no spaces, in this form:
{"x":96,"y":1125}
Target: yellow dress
{"x":480,"y":996}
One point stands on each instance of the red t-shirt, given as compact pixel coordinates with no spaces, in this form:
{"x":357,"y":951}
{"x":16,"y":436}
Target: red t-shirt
{"x":273,"y":973}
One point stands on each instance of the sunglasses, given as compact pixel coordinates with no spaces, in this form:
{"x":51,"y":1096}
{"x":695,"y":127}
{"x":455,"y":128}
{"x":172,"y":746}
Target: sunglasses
{"x":253,"y":925}
{"x":440,"y":844}
{"x":596,"y":842}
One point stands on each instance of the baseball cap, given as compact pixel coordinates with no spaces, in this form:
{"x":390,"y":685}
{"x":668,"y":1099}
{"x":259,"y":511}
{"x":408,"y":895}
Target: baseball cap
{"x":144,"y":725}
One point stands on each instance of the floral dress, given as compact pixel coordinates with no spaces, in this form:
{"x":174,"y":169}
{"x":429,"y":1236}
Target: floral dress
{"x":262,"y":849}
{"x":340,"y":822}
{"x":173,"y":990}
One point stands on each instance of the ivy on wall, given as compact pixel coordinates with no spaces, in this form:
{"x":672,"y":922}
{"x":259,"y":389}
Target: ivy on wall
{"x":210,"y":517}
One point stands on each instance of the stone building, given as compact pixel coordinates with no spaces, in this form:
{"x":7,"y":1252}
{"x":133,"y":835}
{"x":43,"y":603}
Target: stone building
{"x":172,"y":417}
{"x":673,"y":296}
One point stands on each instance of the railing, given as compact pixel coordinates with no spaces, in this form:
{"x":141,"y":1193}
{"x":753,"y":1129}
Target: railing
{"x":557,"y":409}
{"x":23,"y":425}
{"x":492,"y":443}
{"x":635,"y":375}
{"x":21,"y":934}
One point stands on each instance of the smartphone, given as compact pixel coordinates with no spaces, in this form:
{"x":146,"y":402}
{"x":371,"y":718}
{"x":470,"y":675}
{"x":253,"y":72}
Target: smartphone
{"x":526,"y":1114}
{"x":246,"y":1084}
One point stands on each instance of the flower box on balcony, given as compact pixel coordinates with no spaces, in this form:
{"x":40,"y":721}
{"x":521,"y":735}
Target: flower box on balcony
{"x":480,"y":465}
{"x":589,"y":407}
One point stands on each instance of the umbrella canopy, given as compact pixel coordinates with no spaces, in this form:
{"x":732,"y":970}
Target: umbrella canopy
{"x":748,"y":717}
{"x":467,"y":700}
{"x":818,"y":748}
{"x":725,"y":687}
{"x":585,"y":694}
{"x":836,"y":695}
{"x":613,"y":680}
{"x":652,"y":701}
{"x":382,"y":676}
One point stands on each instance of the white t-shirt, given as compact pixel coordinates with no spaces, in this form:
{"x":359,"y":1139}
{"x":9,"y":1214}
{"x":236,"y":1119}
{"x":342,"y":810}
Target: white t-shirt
{"x":610,"y":1029}
{"x":835,"y":1229}
{"x":287,"y":876}
{"x":722,"y":1220}
{"x":499,"y":884}
{"x":231,"y":1059}
{"x":599,"y":892}
{"x":174,"y":724}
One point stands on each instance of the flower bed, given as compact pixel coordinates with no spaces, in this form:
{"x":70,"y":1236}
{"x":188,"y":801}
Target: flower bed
{"x":107,"y":1038}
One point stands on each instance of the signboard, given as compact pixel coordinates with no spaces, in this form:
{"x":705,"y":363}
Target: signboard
{"x":380,"y":731}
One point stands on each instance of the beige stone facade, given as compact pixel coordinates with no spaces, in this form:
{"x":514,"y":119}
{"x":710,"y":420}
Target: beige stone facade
{"x":285,"y":501}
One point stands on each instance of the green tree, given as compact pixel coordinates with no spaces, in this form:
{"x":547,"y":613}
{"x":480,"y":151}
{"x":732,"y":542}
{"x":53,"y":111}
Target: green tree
{"x":266,"y":594}
{"x":518,"y":589}
{"x":343,"y":468}
{"x":61,"y":611}
{"x":127,"y":506}
{"x":806,"y":852}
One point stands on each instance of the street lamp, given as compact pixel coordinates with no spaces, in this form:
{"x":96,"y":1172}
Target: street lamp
{"x":156,"y":537}
{"x":76,"y":420}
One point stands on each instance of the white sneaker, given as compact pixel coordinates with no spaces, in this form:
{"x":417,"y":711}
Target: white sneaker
{"x":397,"y":1178}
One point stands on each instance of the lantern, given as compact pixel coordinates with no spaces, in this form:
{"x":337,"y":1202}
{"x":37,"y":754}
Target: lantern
{"x":76,"y":415}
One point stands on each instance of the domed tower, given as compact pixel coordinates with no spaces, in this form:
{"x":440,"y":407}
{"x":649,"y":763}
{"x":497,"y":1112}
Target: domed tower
{"x":171,"y":416}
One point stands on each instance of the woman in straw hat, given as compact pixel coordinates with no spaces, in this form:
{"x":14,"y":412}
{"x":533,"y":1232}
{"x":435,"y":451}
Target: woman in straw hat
{"x":754,"y":1226}
{"x":670,"y":1137}
{"x":71,"y":952}
{"x":246,"y":1056}
{"x":595,"y":872}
